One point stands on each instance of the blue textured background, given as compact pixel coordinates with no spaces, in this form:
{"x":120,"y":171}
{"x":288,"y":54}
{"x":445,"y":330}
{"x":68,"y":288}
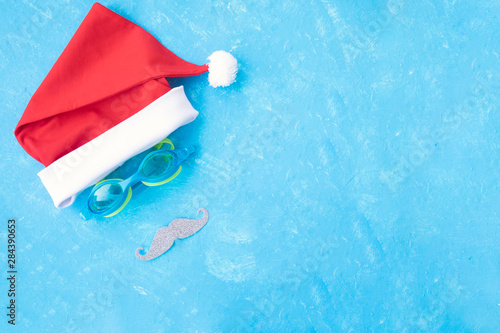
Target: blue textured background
{"x":351,"y":173}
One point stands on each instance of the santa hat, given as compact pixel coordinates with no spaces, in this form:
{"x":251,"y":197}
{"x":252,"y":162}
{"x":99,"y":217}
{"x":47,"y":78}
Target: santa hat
{"x":106,"y":100}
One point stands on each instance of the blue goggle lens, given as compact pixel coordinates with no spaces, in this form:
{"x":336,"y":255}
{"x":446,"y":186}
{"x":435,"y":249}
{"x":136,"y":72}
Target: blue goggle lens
{"x":105,"y":197}
{"x":158,"y":165}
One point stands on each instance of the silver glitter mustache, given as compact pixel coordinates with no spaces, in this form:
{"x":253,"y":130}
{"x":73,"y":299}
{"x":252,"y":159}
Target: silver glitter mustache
{"x":165,"y":237}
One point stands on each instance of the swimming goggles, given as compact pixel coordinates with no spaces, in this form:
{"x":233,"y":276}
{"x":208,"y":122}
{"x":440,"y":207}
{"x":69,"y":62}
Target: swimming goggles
{"x":110,"y":196}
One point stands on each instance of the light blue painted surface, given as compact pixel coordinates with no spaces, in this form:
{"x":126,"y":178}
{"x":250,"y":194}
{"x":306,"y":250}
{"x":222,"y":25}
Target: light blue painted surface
{"x":316,"y":223}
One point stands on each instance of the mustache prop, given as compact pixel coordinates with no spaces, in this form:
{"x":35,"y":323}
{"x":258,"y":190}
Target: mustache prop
{"x":165,"y":237}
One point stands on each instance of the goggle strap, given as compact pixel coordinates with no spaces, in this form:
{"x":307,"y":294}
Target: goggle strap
{"x":160,"y":144}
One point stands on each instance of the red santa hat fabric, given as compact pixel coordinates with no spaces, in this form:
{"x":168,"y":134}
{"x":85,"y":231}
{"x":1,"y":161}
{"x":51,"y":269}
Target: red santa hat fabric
{"x":105,"y":100}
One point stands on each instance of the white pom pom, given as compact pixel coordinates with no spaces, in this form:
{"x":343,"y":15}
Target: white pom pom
{"x":222,"y":69}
